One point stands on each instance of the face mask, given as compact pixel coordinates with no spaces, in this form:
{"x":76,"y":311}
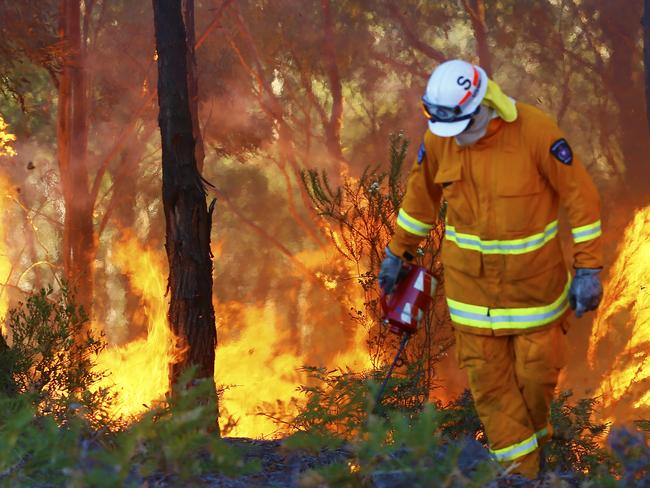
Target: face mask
{"x":477,"y":127}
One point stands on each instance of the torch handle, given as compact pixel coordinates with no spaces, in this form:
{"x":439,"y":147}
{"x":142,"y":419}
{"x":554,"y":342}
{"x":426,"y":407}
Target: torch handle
{"x":402,"y":346}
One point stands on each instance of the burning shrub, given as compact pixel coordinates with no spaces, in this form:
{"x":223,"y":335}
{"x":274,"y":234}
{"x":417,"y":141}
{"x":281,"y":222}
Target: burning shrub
{"x":359,"y":216}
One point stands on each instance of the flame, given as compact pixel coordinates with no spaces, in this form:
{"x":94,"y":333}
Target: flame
{"x":5,"y":263}
{"x":7,"y":150}
{"x":6,"y":138}
{"x":624,"y":316}
{"x":256,"y":369}
{"x":257,"y":360}
{"x":139,"y":370}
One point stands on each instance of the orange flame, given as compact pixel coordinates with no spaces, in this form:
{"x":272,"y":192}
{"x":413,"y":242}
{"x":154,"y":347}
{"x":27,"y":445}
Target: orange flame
{"x":259,"y":367}
{"x":139,"y":370}
{"x":624,"y":316}
{"x":5,"y":263}
{"x":257,"y":361}
{"x":6,"y":149}
{"x":255,"y":370}
{"x":6,"y":138}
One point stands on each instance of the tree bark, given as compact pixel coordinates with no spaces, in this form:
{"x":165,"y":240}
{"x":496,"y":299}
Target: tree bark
{"x":623,"y":81}
{"x":79,"y":243}
{"x":333,"y":127}
{"x":193,"y":81}
{"x":411,"y":36}
{"x":646,"y":56}
{"x":476,"y":11}
{"x":187,"y":217}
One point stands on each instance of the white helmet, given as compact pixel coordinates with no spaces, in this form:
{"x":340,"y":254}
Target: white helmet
{"x":453,"y":95}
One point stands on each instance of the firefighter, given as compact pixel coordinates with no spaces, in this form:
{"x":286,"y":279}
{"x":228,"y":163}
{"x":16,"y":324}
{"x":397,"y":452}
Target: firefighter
{"x":504,"y":168}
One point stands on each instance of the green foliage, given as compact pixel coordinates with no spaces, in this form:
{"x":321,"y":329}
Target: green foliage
{"x":335,"y":407}
{"x":577,"y":438}
{"x":337,"y":402}
{"x":460,"y":419}
{"x":52,"y":357}
{"x":412,"y":449}
{"x":55,"y":429}
{"x":34,"y":449}
{"x":178,"y":441}
{"x":181,"y":438}
{"x":421,"y":444}
{"x":445,"y":444}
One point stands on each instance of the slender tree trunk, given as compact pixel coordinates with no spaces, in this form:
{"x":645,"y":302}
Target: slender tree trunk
{"x":72,"y":133}
{"x":646,"y":56}
{"x":476,"y":11}
{"x":187,"y":217}
{"x":333,"y":127}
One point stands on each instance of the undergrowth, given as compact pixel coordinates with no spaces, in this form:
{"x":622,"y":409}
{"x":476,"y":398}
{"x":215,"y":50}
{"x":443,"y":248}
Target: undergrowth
{"x":445,"y":445}
{"x":55,"y":429}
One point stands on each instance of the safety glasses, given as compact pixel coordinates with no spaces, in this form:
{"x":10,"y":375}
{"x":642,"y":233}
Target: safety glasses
{"x":440,"y":113}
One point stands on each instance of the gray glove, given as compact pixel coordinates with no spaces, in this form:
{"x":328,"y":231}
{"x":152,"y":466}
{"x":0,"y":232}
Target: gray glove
{"x":586,"y":291}
{"x":389,"y":273}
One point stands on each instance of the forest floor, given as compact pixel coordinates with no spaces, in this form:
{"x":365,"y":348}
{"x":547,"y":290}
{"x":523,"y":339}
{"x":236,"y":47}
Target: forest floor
{"x":288,"y":468}
{"x":280,"y":467}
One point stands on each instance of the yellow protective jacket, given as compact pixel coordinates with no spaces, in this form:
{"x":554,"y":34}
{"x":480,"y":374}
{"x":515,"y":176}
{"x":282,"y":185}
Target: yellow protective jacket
{"x":504,"y":269}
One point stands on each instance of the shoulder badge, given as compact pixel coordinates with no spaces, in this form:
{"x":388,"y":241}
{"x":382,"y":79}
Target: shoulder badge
{"x":562,"y":151}
{"x":421,"y":153}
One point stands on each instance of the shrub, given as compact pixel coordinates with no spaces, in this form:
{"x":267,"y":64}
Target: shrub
{"x":54,"y":424}
{"x":52,"y":358}
{"x":577,"y":439}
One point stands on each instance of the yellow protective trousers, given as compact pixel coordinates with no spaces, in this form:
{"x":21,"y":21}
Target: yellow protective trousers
{"x":512,"y":379}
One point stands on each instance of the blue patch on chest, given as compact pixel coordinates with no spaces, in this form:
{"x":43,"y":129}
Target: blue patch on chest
{"x":562,"y":151}
{"x":421,"y":153}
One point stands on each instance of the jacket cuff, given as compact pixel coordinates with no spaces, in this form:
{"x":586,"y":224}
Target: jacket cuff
{"x":403,"y":251}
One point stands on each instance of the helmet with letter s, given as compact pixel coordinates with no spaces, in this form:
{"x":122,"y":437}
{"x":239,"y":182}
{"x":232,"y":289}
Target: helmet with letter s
{"x":453,"y":95}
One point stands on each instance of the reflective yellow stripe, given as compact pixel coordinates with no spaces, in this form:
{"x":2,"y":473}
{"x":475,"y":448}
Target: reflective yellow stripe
{"x":412,"y":225}
{"x":516,"y":451}
{"x":586,"y":232}
{"x":540,"y":434}
{"x":508,"y":318}
{"x":510,"y":246}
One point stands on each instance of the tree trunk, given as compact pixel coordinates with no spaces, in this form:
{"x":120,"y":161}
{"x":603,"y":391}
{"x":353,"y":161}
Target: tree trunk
{"x":623,"y":81}
{"x":193,"y":81}
{"x":187,"y":217}
{"x":333,"y":127}
{"x":72,"y":134}
{"x":646,"y":56}
{"x":476,"y":11}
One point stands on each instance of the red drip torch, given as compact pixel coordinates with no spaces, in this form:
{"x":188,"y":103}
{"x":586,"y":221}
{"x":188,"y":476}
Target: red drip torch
{"x":405,"y":308}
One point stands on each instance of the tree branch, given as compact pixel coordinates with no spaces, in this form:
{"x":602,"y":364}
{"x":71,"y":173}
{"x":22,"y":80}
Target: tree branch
{"x":409,"y":32}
